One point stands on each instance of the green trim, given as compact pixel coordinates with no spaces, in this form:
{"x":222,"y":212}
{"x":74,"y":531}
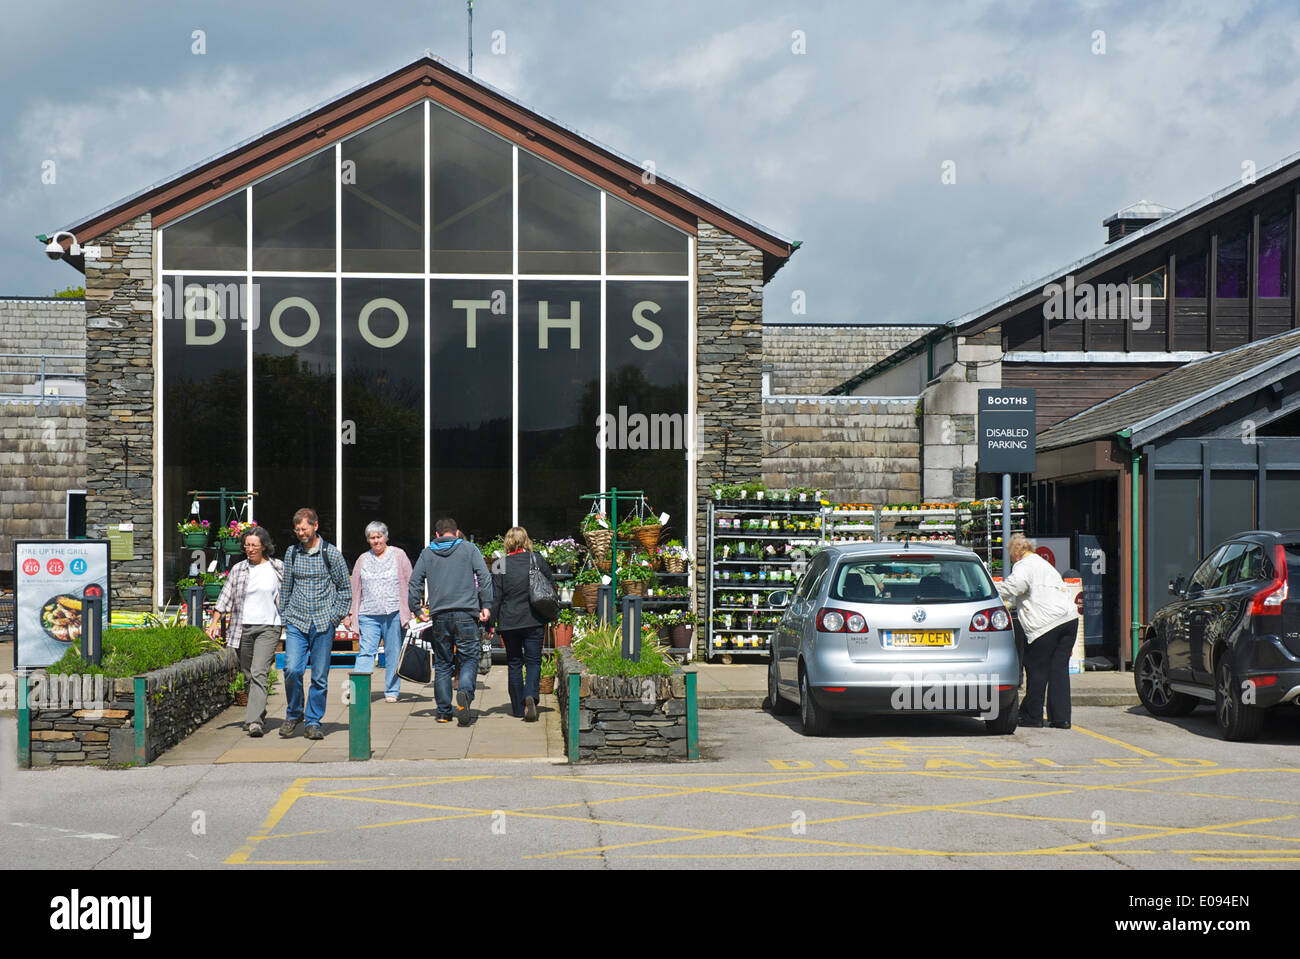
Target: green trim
{"x":359,"y":717}
{"x":24,"y":725}
{"x":141,"y":722}
{"x":575,"y":685}
{"x":692,"y":718}
{"x":1135,"y":548}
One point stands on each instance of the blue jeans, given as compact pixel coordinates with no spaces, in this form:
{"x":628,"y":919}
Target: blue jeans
{"x":298,"y":648}
{"x":523,"y":646}
{"x":390,"y":629}
{"x":453,"y":632}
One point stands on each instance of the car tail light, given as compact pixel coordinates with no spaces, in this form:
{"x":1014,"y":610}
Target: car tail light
{"x":1269,"y":600}
{"x":840,"y":621}
{"x":1258,"y":681}
{"x":986,"y":620}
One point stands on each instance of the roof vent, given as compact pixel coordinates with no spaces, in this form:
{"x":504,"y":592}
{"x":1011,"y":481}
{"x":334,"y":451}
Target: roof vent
{"x":1133,"y":218}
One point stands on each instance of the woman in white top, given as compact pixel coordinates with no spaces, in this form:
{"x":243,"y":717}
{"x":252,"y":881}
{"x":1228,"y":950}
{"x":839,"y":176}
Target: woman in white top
{"x":1050,"y":621}
{"x":251,"y":597}
{"x":380,"y":580}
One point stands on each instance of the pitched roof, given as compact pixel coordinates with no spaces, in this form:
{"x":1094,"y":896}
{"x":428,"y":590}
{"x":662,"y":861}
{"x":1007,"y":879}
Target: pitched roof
{"x":812,"y":359}
{"x":434,"y":78}
{"x":1181,"y":395}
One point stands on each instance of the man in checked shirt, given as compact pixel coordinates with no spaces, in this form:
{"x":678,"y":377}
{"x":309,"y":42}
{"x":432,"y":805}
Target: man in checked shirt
{"x":315,"y":596}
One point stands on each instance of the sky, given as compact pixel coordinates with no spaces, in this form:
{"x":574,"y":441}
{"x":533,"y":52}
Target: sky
{"x":930,"y":157}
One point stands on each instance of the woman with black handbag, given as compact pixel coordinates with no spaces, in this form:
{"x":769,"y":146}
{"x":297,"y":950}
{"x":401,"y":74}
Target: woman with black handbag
{"x":524,"y":600}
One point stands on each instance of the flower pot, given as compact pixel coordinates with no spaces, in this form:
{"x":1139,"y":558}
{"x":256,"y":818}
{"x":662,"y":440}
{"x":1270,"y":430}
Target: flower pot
{"x":211,"y":591}
{"x":195,"y":540}
{"x":681,"y":636}
{"x":598,"y":541}
{"x":241,"y":698}
{"x":232,"y":546}
{"x":563,"y":634}
{"x":674,"y":564}
{"x":546,"y":684}
{"x":588,"y":593}
{"x":632,"y":587}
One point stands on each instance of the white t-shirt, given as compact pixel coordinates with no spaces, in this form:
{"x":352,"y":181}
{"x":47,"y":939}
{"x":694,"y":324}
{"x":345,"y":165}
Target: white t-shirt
{"x":259,"y":598}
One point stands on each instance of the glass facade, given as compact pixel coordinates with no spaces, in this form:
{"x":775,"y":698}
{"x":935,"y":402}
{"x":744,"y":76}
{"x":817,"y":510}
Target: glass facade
{"x":423,"y":320}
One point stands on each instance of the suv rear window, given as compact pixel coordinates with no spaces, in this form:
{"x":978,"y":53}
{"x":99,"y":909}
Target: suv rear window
{"x":912,"y":579}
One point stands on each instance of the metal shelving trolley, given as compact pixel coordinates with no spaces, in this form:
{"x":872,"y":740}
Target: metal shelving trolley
{"x":753,"y":548}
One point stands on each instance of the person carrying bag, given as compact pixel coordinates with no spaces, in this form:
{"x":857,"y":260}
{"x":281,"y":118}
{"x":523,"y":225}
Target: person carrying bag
{"x":524,"y":601}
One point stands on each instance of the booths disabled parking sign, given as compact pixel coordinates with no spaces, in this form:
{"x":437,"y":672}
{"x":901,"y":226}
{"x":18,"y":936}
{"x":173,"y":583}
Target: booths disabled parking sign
{"x":1006,"y":430}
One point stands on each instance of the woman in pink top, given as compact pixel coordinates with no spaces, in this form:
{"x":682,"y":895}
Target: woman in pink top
{"x":380,"y":580}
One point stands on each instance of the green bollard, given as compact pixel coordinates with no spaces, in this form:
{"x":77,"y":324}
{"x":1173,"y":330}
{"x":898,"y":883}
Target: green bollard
{"x":24,"y":725}
{"x":359,"y":717}
{"x":141,"y":723}
{"x":575,"y":682}
{"x":692,"y":719}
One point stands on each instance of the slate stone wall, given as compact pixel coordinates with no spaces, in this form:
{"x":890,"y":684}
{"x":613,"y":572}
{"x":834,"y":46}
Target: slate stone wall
{"x":120,"y":400}
{"x":624,"y":717}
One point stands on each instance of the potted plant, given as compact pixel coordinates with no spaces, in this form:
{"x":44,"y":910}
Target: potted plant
{"x":547,"y":684}
{"x":595,"y":530}
{"x":586,"y":587}
{"x":564,"y":627}
{"x":561,"y":553}
{"x":211,"y":583}
{"x":680,"y":627}
{"x":194,"y":533}
{"x":636,"y":575}
{"x":677,"y":558}
{"x":231,"y":536}
{"x":490,"y":549}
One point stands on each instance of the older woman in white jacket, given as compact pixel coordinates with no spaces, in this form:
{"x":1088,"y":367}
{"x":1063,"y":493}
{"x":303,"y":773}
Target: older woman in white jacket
{"x":1050,"y":621}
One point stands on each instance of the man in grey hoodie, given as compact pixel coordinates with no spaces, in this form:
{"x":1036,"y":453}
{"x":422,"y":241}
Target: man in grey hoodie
{"x":460,"y":590}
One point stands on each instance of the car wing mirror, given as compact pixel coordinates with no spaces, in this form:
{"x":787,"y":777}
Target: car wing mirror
{"x":1176,"y":585}
{"x":779,"y":598}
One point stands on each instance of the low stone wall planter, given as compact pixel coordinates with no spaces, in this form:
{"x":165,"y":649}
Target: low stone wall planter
{"x":626,"y":718}
{"x":88,"y":720}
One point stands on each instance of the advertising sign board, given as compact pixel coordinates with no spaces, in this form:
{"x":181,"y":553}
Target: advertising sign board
{"x":50,"y":579}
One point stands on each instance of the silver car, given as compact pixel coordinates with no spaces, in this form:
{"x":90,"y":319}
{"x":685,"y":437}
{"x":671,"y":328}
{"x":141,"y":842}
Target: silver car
{"x":893,"y":627}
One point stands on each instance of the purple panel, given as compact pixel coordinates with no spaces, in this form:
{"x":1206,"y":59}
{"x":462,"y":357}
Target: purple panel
{"x":1274,"y":252}
{"x":1232,"y":280}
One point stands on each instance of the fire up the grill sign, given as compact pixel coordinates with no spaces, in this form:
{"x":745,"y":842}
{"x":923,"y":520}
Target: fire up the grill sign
{"x":1006,"y":427}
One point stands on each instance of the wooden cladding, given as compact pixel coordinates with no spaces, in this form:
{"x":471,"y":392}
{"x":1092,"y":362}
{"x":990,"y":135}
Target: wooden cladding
{"x":1066,"y":388}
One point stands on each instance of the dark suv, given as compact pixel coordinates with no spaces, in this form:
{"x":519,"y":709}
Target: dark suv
{"x":1231,"y":638}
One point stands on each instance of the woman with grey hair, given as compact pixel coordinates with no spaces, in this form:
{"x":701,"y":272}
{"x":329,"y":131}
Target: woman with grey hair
{"x":380,"y":580}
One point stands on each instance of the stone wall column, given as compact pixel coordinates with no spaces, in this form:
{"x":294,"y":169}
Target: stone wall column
{"x":950,"y":451}
{"x":120,"y":401}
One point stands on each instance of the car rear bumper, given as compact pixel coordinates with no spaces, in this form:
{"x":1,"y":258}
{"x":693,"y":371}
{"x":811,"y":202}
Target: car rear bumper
{"x":958,"y":698}
{"x":1268,"y":656}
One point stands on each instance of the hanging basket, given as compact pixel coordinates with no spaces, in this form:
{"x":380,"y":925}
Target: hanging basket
{"x":603,"y":564}
{"x":194,"y":540}
{"x":632,"y":587}
{"x":674,"y":564}
{"x":241,"y":698}
{"x":546,"y":684}
{"x":232,"y":547}
{"x":598,"y":541}
{"x":648,"y":536}
{"x":588,"y":593}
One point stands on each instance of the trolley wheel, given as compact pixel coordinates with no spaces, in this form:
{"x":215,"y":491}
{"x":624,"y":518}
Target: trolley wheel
{"x":725,"y":659}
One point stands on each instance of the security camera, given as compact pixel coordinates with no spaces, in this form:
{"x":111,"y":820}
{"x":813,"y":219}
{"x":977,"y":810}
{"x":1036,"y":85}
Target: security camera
{"x":54,"y":249}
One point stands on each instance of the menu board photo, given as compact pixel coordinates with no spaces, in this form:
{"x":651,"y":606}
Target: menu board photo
{"x":50,"y":581}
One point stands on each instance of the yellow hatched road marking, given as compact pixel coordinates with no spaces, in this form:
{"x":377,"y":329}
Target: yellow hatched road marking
{"x":1115,"y":742}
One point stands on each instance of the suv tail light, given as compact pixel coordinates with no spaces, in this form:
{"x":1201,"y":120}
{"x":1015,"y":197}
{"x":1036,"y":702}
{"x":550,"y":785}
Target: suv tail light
{"x":1269,"y":600}
{"x":994,"y":620}
{"x":831,"y":620}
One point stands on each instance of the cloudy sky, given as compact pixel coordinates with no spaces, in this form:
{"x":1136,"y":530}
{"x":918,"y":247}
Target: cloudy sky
{"x":842,"y":146}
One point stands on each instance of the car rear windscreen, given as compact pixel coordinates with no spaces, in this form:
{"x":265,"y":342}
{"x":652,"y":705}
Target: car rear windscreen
{"x":912,"y":579}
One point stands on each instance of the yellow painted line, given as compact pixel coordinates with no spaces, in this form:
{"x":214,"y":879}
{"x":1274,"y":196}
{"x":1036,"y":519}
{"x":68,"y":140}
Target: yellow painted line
{"x":1218,"y":828}
{"x":801,"y":855}
{"x":406,"y":785}
{"x":1226,"y":859}
{"x":278,"y":811}
{"x":1114,"y":742}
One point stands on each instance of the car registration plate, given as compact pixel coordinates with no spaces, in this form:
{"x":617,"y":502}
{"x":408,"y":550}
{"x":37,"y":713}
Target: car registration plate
{"x":910,"y":637}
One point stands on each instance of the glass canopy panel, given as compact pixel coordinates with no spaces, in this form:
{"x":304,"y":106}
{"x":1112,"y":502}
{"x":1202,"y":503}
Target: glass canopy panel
{"x":646,"y":427}
{"x":214,"y":238}
{"x":471,"y":197}
{"x":293,"y":217}
{"x":559,"y":220}
{"x":638,"y":244}
{"x":470,"y":400}
{"x":383,"y":412}
{"x":559,"y":403}
{"x":204,"y":394}
{"x":295,"y":435}
{"x":383,"y":196}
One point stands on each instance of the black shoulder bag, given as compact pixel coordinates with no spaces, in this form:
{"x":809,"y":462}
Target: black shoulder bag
{"x":541,"y":593}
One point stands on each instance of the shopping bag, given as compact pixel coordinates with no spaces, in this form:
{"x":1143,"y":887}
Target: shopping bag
{"x":485,"y":651}
{"x":541,"y":593}
{"x":416,"y":660}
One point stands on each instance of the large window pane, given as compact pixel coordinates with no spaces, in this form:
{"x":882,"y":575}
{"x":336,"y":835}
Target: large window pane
{"x":205,"y":430}
{"x":383,"y":197}
{"x":470,"y":400}
{"x":559,"y":403}
{"x":383,"y":412}
{"x":1232,"y":503}
{"x":1231,"y":279}
{"x":1175,"y":504}
{"x":637,"y":243}
{"x":471,"y":199}
{"x":295,"y":433}
{"x":1274,"y":255}
{"x":559,"y":220}
{"x":646,"y":395}
{"x":214,"y":238}
{"x":293,"y":217}
{"x":1189,"y":274}
{"x":1282,"y":500}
